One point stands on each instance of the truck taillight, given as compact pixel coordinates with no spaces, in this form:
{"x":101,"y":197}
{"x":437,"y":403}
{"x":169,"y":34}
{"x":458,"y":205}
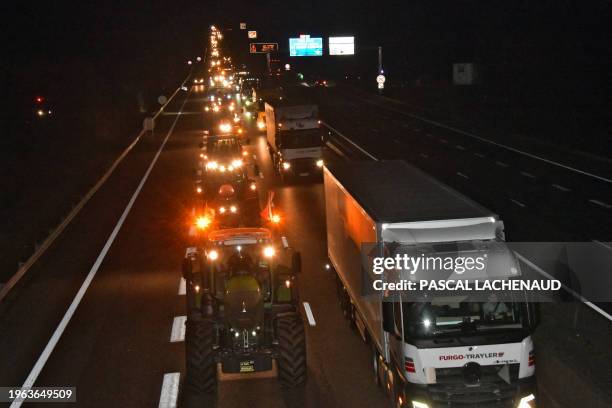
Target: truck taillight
{"x":409,"y":365}
{"x":531,"y":361}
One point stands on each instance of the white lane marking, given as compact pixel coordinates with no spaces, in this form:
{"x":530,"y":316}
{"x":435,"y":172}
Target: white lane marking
{"x":417,"y":129}
{"x":285,"y":242}
{"x":576,"y":295}
{"x":178,"y":329}
{"x":518,"y":203}
{"x":397,"y":141}
{"x":375,"y":130}
{"x":169,"y":391}
{"x":524,"y":173}
{"x":600,"y":203}
{"x":309,"y":315}
{"x":424,"y":155}
{"x":182,"y":287}
{"x":501,"y":164}
{"x":562,"y":188}
{"x":460,"y":147}
{"x":603,"y":244}
{"x":337,"y":150}
{"x":465,"y":176}
{"x":361,"y":149}
{"x":504,"y":146}
{"x":443,"y":141}
{"x":482,"y":156}
{"x":44,"y":356}
{"x":429,"y":135}
{"x":23,"y":268}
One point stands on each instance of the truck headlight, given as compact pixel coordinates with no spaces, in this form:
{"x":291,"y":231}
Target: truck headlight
{"x":286,"y":165}
{"x":261,"y":125}
{"x":212,"y":165}
{"x":527,"y":402}
{"x":320,"y":163}
{"x":233,"y":209}
{"x":418,"y":404}
{"x":222,"y":210}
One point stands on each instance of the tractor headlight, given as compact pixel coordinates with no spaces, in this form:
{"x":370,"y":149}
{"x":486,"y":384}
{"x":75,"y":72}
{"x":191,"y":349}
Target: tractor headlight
{"x":269,"y":252}
{"x":222,"y":210}
{"x":233,"y":209}
{"x":261,"y":125}
{"x":320,"y":163}
{"x":212,"y":165}
{"x":286,"y":165}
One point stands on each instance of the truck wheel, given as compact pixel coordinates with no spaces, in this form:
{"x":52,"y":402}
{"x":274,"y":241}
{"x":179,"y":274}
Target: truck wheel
{"x":292,"y":350}
{"x":201,"y":375}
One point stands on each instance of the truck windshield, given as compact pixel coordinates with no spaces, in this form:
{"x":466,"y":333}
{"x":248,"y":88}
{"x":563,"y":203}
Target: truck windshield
{"x":296,"y":139}
{"x":453,"y":315}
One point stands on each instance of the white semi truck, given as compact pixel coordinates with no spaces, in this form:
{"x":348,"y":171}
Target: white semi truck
{"x":294,"y":138}
{"x":437,"y":351}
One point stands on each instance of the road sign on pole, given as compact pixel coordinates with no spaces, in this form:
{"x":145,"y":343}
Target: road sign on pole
{"x":243,"y":26}
{"x":260,"y":48}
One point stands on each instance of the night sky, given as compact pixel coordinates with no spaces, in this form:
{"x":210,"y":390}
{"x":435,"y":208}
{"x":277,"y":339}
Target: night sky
{"x":133,"y":44}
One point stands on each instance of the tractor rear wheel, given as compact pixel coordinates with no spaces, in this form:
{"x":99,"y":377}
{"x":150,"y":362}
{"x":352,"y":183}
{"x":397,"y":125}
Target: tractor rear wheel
{"x":292,"y":350}
{"x":201,"y":375}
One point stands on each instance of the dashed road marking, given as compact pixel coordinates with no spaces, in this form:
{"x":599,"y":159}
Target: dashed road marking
{"x":600,"y":203}
{"x":501,"y":164}
{"x":526,"y":174}
{"x":459,"y":147}
{"x":429,"y":135}
{"x":309,"y":315}
{"x":465,"y":176}
{"x":178,"y":329}
{"x":562,"y":188}
{"x":169,"y":391}
{"x":518,"y":203}
{"x":417,"y":129}
{"x":443,"y":141}
{"x":424,"y":155}
{"x":182,"y":287}
{"x":482,"y":156}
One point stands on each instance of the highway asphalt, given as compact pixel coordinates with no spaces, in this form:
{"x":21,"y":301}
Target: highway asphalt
{"x":123,"y":346}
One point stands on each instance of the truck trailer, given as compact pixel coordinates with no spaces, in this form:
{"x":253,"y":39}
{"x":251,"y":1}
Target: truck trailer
{"x":436,"y":351}
{"x":294,"y":138}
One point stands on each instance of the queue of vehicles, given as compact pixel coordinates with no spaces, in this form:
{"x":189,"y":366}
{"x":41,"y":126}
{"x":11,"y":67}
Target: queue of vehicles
{"x":241,"y":278}
{"x":242,"y":298}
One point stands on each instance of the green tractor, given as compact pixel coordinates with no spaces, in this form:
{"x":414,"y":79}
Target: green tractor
{"x":243,"y":311}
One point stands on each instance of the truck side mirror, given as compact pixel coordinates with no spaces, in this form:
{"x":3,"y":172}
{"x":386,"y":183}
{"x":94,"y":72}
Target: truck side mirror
{"x":387,"y":315}
{"x":187,"y":269}
{"x":296,"y":262}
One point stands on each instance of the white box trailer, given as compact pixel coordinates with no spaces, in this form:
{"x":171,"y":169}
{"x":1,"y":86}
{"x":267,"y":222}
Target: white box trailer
{"x":294,"y":137}
{"x":392,"y":204}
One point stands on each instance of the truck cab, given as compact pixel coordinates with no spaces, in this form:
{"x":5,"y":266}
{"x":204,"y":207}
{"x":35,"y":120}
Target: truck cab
{"x":294,"y":138}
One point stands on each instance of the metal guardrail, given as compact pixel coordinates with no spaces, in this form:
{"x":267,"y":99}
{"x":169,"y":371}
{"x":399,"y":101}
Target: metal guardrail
{"x":40,"y":250}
